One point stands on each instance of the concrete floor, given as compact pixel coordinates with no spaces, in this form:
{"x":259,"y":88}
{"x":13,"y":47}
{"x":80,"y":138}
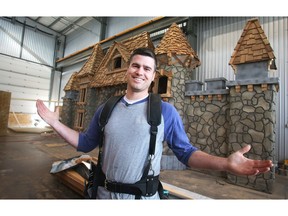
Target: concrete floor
{"x":26,"y":159}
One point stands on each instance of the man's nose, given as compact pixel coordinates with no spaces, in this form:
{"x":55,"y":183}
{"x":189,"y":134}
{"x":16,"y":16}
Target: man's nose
{"x":140,"y":70}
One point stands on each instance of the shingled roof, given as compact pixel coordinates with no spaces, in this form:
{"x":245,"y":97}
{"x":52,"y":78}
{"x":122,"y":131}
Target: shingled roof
{"x":72,"y":84}
{"x":174,"y":42}
{"x":103,"y":77}
{"x":253,"y":45}
{"x":92,"y":64}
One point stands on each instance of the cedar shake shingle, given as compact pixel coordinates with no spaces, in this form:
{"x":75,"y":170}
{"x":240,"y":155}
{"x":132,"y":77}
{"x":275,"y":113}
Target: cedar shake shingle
{"x":93,"y":62}
{"x":72,"y":84}
{"x":103,"y":76}
{"x":253,"y":45}
{"x":174,"y":42}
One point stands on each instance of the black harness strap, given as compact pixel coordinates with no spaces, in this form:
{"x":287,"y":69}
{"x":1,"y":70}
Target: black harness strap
{"x":154,"y":119}
{"x":107,"y":110}
{"x":94,"y":178}
{"x":148,"y":185}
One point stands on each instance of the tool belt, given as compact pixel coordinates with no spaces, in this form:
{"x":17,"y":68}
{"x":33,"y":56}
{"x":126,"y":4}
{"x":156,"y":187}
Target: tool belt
{"x":145,"y":187}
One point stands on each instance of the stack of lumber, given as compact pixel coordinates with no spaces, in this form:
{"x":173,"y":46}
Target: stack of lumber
{"x":73,"y":180}
{"x":73,"y":172}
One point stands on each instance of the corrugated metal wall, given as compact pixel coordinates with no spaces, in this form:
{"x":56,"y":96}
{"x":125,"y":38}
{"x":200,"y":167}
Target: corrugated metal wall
{"x":216,"y":40}
{"x":10,"y":38}
{"x":116,"y":25}
{"x":38,"y":47}
{"x":83,"y":37}
{"x":21,"y":41}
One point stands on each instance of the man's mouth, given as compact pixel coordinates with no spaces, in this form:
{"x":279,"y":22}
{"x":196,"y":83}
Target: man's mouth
{"x":137,"y":79}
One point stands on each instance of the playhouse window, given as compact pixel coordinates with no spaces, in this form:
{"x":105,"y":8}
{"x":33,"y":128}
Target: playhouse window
{"x":162,"y":85}
{"x":83,"y":95}
{"x":117,"y":63}
{"x":80,"y":119}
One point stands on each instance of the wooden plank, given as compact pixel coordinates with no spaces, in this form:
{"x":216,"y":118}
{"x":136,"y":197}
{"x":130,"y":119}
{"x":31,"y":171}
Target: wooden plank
{"x":182,"y":193}
{"x":73,"y":180}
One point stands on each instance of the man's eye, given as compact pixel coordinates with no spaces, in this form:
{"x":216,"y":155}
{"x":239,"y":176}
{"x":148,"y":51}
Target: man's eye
{"x":148,"y":69}
{"x":135,"y":65}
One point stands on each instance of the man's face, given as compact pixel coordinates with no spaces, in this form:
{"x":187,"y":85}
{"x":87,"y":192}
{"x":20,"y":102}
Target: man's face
{"x":140,"y":73}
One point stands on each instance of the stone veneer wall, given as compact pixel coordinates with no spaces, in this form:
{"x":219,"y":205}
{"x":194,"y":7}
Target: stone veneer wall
{"x":253,"y":121}
{"x":208,"y":124}
{"x":222,"y":123}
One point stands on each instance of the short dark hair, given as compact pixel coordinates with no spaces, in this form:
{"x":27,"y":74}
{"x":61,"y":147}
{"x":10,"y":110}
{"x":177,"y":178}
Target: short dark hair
{"x":144,"y":51}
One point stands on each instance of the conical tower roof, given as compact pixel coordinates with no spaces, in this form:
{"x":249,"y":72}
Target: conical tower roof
{"x":174,"y":42}
{"x":253,"y":45}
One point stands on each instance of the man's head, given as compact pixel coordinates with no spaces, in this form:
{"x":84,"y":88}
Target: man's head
{"x":141,"y":71}
{"x":144,"y":51}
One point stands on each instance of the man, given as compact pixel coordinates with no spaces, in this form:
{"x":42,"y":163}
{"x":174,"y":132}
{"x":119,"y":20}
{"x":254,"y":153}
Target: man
{"x":127,"y":136}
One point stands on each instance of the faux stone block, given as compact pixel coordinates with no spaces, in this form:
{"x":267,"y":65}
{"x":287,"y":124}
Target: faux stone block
{"x":216,"y":83}
{"x":193,"y":85}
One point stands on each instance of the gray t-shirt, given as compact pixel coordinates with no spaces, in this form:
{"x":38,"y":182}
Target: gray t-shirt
{"x":126,"y":146}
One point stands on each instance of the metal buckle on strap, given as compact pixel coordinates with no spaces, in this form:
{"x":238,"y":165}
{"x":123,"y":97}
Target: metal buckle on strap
{"x":105,"y":184}
{"x":154,"y":130}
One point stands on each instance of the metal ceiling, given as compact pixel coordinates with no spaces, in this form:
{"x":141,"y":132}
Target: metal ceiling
{"x":64,"y":25}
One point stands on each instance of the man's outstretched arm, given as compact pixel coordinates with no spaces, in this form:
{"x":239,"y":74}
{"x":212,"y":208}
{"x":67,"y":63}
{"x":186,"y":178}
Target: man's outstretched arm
{"x":236,"y":163}
{"x":52,"y":118}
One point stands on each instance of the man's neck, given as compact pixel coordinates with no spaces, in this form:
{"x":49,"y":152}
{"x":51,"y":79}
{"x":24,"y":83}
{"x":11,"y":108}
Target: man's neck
{"x":129,"y":102}
{"x":133,"y":96}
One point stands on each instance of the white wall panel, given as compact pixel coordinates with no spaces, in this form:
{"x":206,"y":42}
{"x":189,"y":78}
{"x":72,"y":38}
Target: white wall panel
{"x":21,"y":93}
{"x":56,"y":87}
{"x":26,"y":81}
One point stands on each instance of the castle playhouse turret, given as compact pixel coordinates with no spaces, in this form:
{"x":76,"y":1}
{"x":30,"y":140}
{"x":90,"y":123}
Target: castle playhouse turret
{"x":69,"y":101}
{"x":176,"y":60}
{"x":252,"y":103}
